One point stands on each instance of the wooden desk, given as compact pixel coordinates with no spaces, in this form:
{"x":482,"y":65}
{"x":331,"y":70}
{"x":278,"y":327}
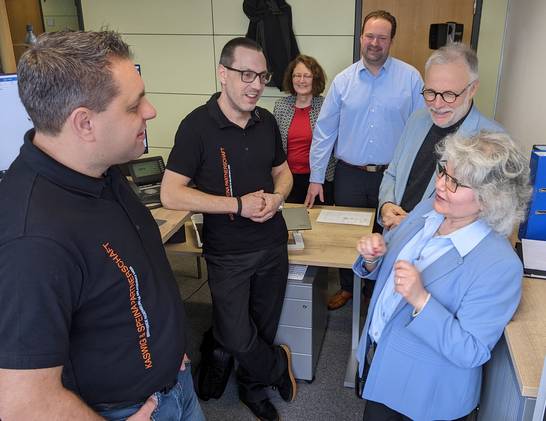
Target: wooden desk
{"x":326,"y":245}
{"x":526,"y":336}
{"x":512,"y":376}
{"x":174,"y":219}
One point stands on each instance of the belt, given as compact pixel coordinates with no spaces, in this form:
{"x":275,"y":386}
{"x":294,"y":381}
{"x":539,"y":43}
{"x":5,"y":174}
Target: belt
{"x":367,"y":168}
{"x":101,"y":407}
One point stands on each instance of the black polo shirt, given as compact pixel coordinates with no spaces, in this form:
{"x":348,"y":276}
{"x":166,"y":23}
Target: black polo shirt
{"x":85,"y":282}
{"x":224,"y":159}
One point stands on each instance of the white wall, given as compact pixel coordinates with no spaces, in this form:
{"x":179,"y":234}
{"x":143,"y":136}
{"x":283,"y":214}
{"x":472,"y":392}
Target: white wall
{"x":178,"y":44}
{"x":522,"y":89}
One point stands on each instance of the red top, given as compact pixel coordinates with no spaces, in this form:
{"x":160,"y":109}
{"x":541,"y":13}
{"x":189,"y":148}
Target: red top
{"x":299,"y":141}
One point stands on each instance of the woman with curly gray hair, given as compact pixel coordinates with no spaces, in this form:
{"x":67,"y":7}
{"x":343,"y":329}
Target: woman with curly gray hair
{"x":447,"y":283}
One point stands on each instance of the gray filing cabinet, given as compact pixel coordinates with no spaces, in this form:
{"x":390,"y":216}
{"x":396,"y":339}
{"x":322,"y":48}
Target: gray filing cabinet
{"x":303,"y":320}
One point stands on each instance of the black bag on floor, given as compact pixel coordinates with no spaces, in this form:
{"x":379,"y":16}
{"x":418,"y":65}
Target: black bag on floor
{"x":214,"y":369}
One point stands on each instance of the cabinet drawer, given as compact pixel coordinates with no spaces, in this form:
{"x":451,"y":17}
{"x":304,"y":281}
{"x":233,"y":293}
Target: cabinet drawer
{"x":297,"y":313}
{"x":299,"y":339}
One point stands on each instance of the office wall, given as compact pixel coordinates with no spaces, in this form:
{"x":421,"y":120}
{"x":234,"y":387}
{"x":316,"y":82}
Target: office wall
{"x":520,"y":102}
{"x":490,"y":43}
{"x":59,"y":15}
{"x":178,"y":43}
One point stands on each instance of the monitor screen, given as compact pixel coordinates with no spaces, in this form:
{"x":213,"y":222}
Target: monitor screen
{"x":147,"y":168}
{"x":14,"y":121}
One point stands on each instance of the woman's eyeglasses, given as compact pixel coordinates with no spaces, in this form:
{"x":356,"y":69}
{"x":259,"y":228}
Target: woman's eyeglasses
{"x":451,"y":182}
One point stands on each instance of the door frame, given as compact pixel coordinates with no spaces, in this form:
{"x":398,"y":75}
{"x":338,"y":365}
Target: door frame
{"x":358,"y":24}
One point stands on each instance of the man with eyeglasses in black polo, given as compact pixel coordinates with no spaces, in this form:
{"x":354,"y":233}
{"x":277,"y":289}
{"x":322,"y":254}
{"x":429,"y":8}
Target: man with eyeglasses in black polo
{"x":231,"y":149}
{"x":451,"y":81}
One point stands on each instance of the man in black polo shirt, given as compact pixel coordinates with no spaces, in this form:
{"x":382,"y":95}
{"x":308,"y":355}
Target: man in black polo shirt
{"x":92,"y":325}
{"x":232,"y":151}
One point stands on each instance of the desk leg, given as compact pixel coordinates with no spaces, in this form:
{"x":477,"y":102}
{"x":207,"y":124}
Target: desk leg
{"x":355,"y":333}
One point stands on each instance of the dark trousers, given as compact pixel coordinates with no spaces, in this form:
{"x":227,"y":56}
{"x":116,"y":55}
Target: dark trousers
{"x":375,"y":411}
{"x":299,"y":190}
{"x":247,"y":297}
{"x":356,"y":188}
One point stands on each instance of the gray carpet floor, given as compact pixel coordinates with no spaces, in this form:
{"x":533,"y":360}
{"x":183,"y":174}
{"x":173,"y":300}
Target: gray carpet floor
{"x":323,"y":399}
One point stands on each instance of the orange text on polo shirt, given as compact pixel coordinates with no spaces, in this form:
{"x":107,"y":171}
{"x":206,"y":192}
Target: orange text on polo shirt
{"x":137,"y":310}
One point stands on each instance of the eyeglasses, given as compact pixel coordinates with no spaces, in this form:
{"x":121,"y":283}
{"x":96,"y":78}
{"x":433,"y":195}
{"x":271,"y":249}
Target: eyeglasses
{"x":304,"y":76}
{"x":447,"y":96}
{"x":248,"y":76}
{"x":382,"y":39}
{"x":451,"y":182}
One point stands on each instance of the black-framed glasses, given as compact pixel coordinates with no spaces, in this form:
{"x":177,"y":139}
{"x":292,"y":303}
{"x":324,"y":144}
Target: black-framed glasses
{"x":451,"y":182}
{"x":249,"y":76}
{"x":447,"y":96}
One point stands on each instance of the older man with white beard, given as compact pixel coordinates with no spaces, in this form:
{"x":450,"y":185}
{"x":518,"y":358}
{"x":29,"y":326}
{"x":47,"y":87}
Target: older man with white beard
{"x":451,"y":81}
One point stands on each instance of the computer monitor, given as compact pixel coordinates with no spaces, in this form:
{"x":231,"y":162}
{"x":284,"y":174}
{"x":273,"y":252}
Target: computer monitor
{"x":14,"y":121}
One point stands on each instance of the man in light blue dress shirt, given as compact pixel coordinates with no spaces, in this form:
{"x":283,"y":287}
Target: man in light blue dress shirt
{"x":362,"y":119}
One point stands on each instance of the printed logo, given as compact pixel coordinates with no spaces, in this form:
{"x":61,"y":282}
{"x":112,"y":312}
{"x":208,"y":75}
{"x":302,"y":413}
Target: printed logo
{"x":137,"y":309}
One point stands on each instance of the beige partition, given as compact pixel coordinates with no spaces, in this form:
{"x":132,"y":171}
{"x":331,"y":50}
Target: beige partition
{"x":178,"y":44}
{"x":520,"y":102}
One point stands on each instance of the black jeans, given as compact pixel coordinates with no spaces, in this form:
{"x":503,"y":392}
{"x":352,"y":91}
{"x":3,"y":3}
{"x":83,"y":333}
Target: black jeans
{"x":359,"y":189}
{"x":375,"y":411}
{"x":247,"y":297}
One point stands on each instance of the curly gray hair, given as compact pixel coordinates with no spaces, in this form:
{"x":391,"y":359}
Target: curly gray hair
{"x":497,"y":171}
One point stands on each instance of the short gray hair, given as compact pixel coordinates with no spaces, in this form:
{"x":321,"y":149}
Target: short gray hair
{"x":453,"y":52}
{"x":497,"y":171}
{"x":66,"y":70}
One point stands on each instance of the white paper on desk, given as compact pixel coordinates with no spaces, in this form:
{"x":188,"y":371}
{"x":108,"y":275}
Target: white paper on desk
{"x":296,"y":272}
{"x":345,"y":217}
{"x":533,"y":254}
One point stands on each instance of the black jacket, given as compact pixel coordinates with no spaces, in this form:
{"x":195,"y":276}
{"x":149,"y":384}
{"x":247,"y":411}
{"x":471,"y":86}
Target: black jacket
{"x":271,"y":27}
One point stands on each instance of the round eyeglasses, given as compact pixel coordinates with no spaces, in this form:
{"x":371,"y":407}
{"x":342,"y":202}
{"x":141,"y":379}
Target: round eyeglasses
{"x":249,"y":76}
{"x":447,"y":96}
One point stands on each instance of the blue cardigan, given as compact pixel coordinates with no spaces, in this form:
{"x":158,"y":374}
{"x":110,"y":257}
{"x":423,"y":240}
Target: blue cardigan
{"x":395,"y":178}
{"x":430,"y":367}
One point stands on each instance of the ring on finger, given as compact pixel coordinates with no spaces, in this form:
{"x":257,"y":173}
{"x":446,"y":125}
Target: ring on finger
{"x":398,"y":281}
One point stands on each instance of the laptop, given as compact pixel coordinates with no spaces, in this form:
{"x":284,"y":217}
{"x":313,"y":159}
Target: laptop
{"x":296,"y":219}
{"x":147,"y":174}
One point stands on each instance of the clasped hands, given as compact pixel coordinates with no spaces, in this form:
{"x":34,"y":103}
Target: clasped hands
{"x":259,"y":206}
{"x":407,"y":279}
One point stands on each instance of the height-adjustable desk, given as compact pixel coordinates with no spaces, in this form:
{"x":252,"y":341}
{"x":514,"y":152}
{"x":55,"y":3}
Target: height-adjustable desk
{"x":326,"y":245}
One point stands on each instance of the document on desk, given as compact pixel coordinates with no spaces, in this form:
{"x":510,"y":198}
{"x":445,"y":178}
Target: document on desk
{"x":296,"y":272}
{"x":345,"y":217}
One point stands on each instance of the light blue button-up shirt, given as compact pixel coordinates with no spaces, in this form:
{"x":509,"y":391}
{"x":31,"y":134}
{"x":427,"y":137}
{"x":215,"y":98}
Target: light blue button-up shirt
{"x":421,"y":251}
{"x":365,"y":114}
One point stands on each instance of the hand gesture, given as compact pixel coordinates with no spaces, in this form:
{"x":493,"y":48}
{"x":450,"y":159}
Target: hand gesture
{"x":314,"y":190}
{"x":272,"y":202}
{"x":253,"y":204}
{"x":392,"y":215}
{"x":407,"y":282}
{"x":371,"y":246}
{"x":145,"y":411}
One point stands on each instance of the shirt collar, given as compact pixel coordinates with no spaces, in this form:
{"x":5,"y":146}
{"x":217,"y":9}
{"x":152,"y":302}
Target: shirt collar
{"x":59,"y":174}
{"x":464,"y":239}
{"x":220,"y":118}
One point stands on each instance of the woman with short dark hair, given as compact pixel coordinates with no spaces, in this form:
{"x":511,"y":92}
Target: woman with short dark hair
{"x":296,"y":116}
